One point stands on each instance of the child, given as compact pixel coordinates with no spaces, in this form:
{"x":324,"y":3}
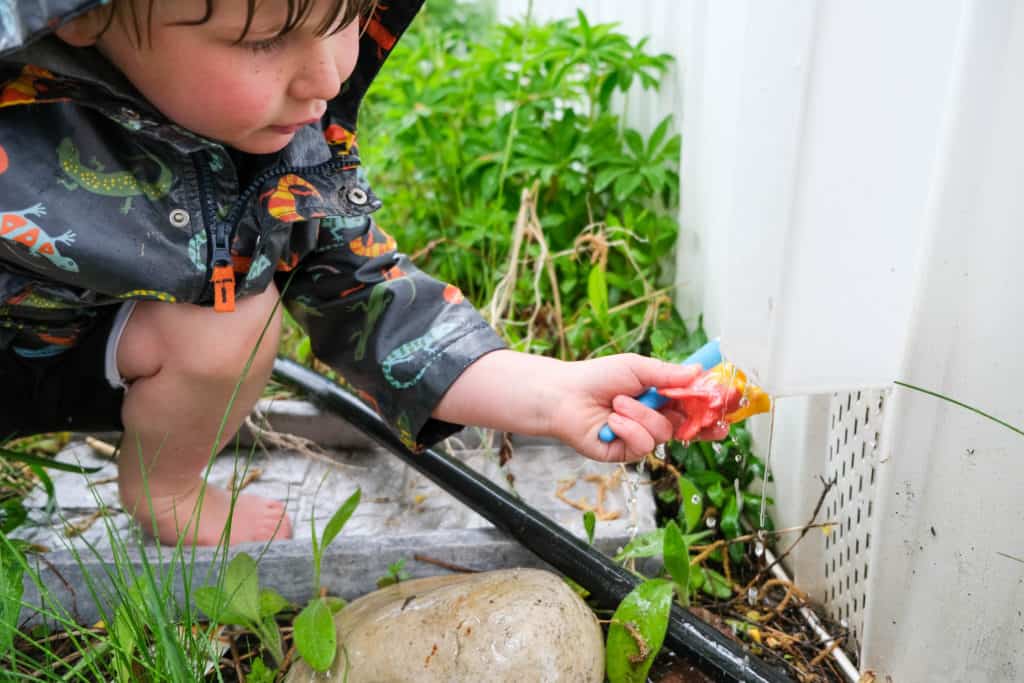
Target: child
{"x":168,"y":170}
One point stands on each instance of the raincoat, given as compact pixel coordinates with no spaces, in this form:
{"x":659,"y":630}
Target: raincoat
{"x":103,"y":199}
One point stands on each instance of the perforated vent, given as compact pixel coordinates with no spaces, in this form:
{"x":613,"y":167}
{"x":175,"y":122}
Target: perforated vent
{"x":854,"y":433}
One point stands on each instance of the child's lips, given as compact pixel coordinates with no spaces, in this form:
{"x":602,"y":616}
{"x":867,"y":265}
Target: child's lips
{"x":291,"y":128}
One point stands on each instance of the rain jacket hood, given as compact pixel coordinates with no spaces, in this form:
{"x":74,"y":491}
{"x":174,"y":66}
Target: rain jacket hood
{"x":103,"y":199}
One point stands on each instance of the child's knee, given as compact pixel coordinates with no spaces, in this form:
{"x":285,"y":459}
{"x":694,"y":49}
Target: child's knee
{"x":199,"y":342}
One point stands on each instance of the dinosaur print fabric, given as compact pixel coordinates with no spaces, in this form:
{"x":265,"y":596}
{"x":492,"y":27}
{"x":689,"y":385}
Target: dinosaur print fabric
{"x":102,"y":199}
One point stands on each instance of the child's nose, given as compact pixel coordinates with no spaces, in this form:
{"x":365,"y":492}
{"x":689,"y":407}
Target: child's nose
{"x":320,"y":75}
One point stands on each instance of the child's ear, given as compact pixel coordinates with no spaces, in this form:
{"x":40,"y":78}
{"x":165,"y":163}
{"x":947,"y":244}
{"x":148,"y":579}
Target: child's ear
{"x":83,"y":30}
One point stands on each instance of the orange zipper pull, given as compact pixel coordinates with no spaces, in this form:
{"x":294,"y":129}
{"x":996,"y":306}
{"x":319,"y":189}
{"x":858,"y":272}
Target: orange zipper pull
{"x":223,"y":280}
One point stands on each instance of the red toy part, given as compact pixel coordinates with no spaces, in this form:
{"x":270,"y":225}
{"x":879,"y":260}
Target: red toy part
{"x":707,"y":404}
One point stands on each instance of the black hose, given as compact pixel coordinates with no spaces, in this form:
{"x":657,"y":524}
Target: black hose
{"x":607,"y":582}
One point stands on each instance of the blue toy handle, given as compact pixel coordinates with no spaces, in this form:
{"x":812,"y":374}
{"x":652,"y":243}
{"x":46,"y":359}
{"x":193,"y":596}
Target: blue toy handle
{"x":708,"y":356}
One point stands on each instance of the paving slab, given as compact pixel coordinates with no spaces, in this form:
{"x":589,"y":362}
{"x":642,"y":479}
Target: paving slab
{"x":401,"y":513}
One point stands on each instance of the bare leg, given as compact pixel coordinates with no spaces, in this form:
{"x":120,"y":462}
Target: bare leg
{"x":182,"y":363}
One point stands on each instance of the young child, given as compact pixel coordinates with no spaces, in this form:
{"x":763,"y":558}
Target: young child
{"x":168,"y":170}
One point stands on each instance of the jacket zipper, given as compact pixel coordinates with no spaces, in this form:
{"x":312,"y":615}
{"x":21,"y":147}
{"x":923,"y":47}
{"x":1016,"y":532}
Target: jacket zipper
{"x":221,"y":270}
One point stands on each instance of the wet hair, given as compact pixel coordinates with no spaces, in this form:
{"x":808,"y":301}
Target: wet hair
{"x":341,"y":14}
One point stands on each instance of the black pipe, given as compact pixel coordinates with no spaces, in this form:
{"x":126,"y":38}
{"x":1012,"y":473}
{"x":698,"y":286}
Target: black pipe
{"x":607,"y":582}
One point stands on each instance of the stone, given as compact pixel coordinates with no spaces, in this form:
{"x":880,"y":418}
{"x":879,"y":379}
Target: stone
{"x":506,"y":625}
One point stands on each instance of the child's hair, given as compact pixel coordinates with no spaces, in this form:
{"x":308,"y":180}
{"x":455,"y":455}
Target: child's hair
{"x":341,"y":14}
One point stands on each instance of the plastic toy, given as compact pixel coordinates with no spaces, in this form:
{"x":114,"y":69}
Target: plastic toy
{"x":719,"y":397}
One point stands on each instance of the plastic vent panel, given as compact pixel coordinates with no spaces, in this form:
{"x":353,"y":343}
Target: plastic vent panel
{"x":855,"y":423}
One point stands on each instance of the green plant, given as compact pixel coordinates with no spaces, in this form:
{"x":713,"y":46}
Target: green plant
{"x":315,"y":635}
{"x":469,"y":117}
{"x":238,"y":599}
{"x":715,"y":485}
{"x":396,"y":574}
{"x":637,"y":631}
{"x":589,"y":522}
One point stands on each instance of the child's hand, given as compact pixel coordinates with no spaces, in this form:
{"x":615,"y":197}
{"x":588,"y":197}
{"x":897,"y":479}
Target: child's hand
{"x":595,"y":392}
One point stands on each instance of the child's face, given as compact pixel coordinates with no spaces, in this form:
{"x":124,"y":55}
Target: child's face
{"x":252,"y":96}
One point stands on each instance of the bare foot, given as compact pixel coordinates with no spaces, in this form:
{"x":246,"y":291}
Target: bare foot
{"x":254,"y":518}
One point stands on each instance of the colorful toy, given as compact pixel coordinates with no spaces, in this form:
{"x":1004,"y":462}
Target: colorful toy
{"x":719,"y":397}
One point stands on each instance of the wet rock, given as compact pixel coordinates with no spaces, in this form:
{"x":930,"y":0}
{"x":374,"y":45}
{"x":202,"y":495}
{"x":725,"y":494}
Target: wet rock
{"x":507,"y":625}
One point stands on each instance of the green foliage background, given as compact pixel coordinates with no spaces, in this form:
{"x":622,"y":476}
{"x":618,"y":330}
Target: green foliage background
{"x":468,"y":113}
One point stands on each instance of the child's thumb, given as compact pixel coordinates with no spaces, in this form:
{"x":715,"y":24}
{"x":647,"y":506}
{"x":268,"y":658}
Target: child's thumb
{"x":658,"y":373}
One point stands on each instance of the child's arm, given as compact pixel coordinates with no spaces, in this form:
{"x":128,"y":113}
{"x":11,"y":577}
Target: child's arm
{"x":527,"y":394}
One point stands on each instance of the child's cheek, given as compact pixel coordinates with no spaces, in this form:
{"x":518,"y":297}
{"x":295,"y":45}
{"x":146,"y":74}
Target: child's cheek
{"x":246,"y":103}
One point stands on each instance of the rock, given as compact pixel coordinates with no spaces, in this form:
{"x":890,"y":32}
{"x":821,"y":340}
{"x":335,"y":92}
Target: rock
{"x":506,"y":625}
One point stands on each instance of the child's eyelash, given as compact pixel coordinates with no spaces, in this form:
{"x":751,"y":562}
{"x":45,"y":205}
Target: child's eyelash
{"x":263,"y":46}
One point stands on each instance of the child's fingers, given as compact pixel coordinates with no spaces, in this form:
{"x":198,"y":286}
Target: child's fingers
{"x":675,"y":417}
{"x":658,"y":426}
{"x":657,"y":373}
{"x":634,"y":437}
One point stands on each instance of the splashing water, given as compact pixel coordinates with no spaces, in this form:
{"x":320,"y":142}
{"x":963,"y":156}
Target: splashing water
{"x":633,"y":482}
{"x":767,"y":468}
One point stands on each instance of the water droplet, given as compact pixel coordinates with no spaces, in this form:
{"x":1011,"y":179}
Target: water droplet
{"x":739,"y":457}
{"x":758,"y":549}
{"x":722,"y":424}
{"x":744,"y":402}
{"x":659,"y":451}
{"x":711,"y":522}
{"x":751,"y":596}
{"x":716,"y":447}
{"x":695,"y":499}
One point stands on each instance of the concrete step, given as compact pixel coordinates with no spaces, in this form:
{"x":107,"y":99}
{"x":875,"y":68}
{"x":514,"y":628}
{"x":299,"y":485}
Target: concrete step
{"x":401,"y":514}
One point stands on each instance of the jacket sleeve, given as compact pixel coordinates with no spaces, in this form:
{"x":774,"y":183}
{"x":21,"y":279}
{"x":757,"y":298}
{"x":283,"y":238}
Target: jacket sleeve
{"x":396,"y":336}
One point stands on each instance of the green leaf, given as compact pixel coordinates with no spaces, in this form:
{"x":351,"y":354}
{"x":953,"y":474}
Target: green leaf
{"x":589,"y":520}
{"x":647,"y":608}
{"x":677,"y":560}
{"x":644,"y":545}
{"x":658,"y":136}
{"x":692,"y":506}
{"x":716,"y":493}
{"x":652,"y":543}
{"x":334,"y":526}
{"x":12,"y":568}
{"x":627,"y":185}
{"x":215,"y":605}
{"x":576,"y":588}
{"x":271,"y":602}
{"x":8,"y":454}
{"x":242,"y":587}
{"x":316,"y":638}
{"x":635,"y":142}
{"x":607,"y":175}
{"x":597,"y":291}
{"x":335,"y":604}
{"x":716,"y":585}
{"x":731,"y":518}
{"x":12,"y":515}
{"x":259,"y":673}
